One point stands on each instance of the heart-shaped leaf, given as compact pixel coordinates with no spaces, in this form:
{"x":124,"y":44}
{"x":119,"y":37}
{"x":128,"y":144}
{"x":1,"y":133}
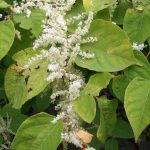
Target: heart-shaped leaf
{"x":38,"y":133}
{"x":112,"y":51}
{"x":137,"y":104}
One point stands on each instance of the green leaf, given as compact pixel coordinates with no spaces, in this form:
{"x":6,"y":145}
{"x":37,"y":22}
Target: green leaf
{"x":95,"y":143}
{"x":123,"y":130}
{"x":7,"y":34}
{"x":4,"y":4}
{"x":120,"y":12}
{"x":103,"y":14}
{"x":23,"y":43}
{"x":42,"y":101}
{"x":108,"y":118}
{"x":112,"y":51}
{"x":85,"y":107}
{"x":119,"y":85}
{"x":111,"y":144}
{"x":96,"y":5}
{"x":136,"y":24}
{"x":34,"y":22}
{"x":137,"y":104}
{"x":16,"y":117}
{"x":24,"y":81}
{"x":75,"y":11}
{"x":38,"y":133}
{"x":96,"y":83}
{"x":142,"y":71}
{"x":15,"y":87}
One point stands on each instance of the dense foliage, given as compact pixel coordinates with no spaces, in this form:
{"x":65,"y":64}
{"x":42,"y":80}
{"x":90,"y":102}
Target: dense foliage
{"x":74,"y":74}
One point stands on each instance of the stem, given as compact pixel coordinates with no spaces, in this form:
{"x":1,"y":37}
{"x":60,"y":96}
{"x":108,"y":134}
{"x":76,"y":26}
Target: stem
{"x":148,"y":54}
{"x":65,"y":146}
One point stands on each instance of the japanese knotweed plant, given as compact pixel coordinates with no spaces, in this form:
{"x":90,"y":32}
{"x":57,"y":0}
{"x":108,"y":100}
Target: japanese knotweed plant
{"x":85,"y":56}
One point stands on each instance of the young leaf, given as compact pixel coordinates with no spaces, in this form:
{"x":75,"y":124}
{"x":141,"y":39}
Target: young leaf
{"x":136,"y":24}
{"x":96,"y":5}
{"x":112,"y":51}
{"x":96,"y":83}
{"x":7,"y":34}
{"x":137,"y":104}
{"x":85,"y":107}
{"x":108,"y":118}
{"x":38,"y":133}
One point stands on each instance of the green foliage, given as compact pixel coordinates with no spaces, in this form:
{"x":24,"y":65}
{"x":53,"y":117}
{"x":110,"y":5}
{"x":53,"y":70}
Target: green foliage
{"x":38,"y":133}
{"x":96,"y":83}
{"x":4,"y":4}
{"x":113,"y":104}
{"x":137,"y":104}
{"x":7,"y":34}
{"x":34,"y":22}
{"x":15,"y":115}
{"x":113,"y":50}
{"x":21,"y":84}
{"x":136,"y":24}
{"x":108,"y":118}
{"x":120,"y":12}
{"x":122,"y":129}
{"x":119,"y":85}
{"x":96,"y":5}
{"x":85,"y":107}
{"x":142,"y":71}
{"x":112,"y":144}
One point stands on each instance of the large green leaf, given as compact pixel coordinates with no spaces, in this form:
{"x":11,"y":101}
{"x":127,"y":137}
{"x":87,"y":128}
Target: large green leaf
{"x":139,"y":71}
{"x":34,"y":22}
{"x":112,"y":51}
{"x":136,"y":24}
{"x":96,"y":83}
{"x":137,"y":104}
{"x":7,"y":34}
{"x":85,"y":107}
{"x":96,"y":5}
{"x":108,"y":118}
{"x":21,"y":84}
{"x":38,"y":133}
{"x":37,"y":72}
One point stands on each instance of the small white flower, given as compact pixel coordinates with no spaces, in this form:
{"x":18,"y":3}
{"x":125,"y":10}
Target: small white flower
{"x":138,"y":47}
{"x":58,"y":117}
{"x":1,"y":15}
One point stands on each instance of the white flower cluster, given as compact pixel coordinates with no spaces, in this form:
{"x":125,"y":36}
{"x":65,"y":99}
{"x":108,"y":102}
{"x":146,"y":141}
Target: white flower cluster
{"x":60,"y":49}
{"x":138,"y":47}
{"x":71,"y":137}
